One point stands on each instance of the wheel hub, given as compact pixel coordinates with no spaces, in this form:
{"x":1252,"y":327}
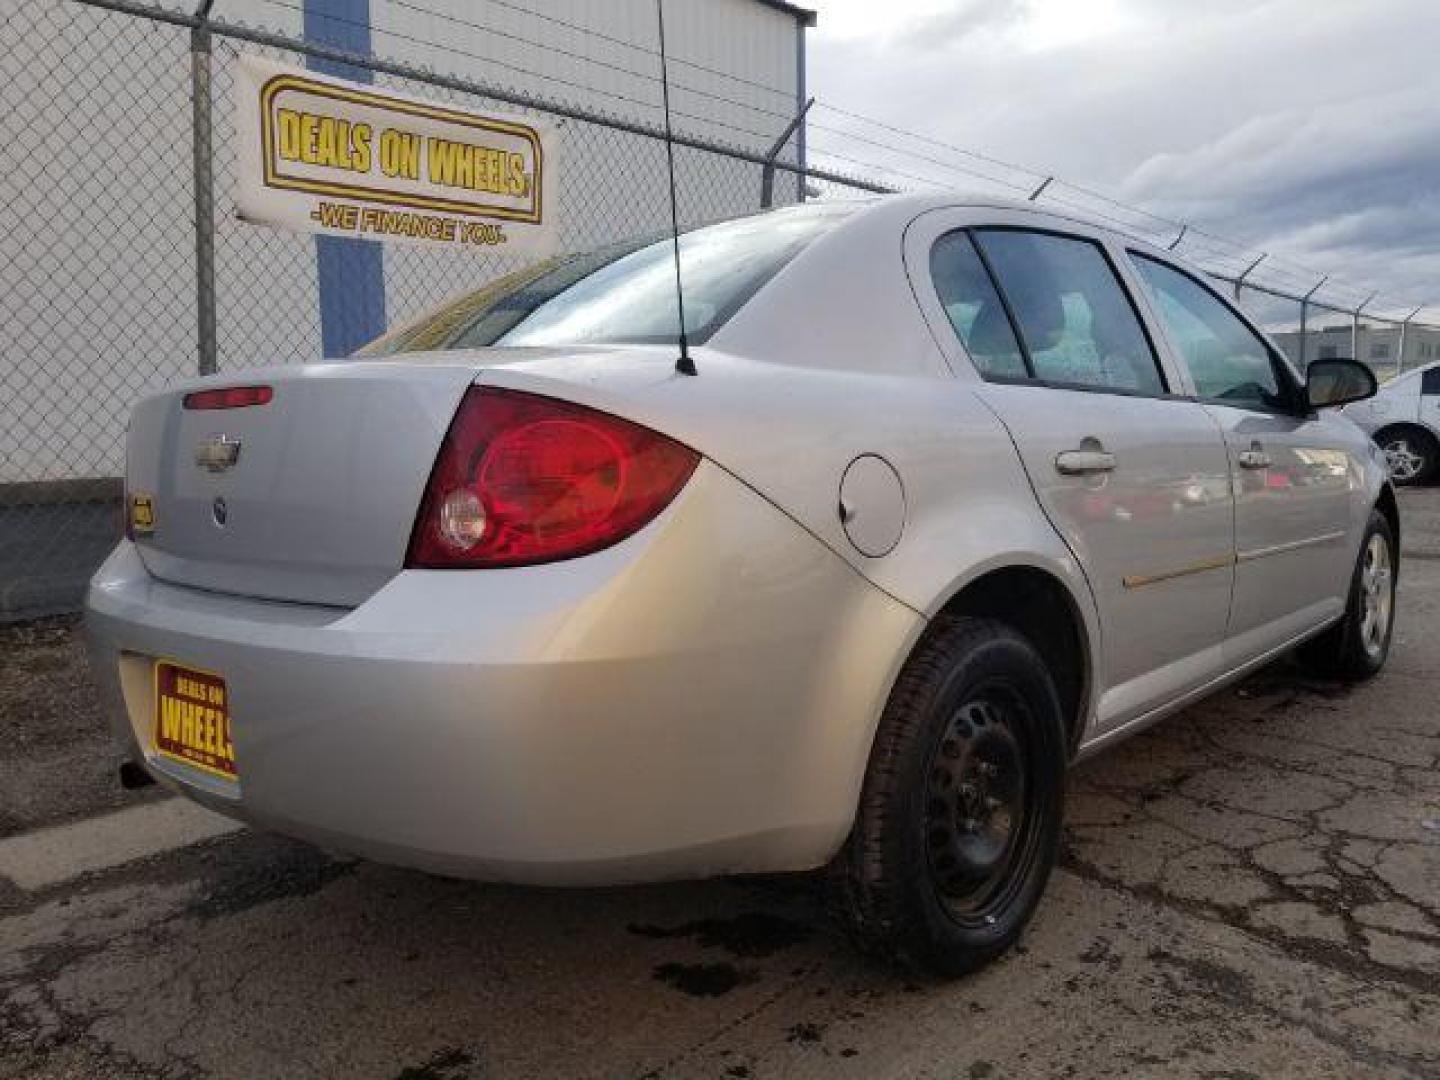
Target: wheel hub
{"x":976,"y":801}
{"x":1376,"y":594}
{"x":1403,"y":462}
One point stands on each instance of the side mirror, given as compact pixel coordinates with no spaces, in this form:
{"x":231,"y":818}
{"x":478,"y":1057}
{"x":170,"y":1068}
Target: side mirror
{"x":1338,"y":382}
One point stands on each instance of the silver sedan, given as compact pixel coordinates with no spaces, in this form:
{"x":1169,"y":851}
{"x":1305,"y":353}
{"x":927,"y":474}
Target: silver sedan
{"x":959,"y":493}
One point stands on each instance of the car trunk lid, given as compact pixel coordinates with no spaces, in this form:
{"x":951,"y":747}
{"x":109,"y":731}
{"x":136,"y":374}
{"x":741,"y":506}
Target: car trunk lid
{"x":320,"y":499}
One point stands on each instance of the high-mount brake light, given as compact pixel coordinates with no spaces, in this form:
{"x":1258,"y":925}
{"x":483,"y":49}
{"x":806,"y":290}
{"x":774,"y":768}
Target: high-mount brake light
{"x":229,"y":397}
{"x":522,"y":479}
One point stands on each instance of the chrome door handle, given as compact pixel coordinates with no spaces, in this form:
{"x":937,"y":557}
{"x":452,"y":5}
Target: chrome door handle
{"x":1082,"y":462}
{"x":1254,"y":459}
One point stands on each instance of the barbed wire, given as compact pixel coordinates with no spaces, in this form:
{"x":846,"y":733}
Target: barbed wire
{"x":101,"y":311}
{"x":1224,"y":257}
{"x":1228,"y":256}
{"x":590,"y":31}
{"x":587,"y":88}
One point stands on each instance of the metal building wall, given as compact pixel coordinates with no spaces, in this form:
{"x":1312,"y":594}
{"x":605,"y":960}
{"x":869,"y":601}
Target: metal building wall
{"x":734,"y":77}
{"x":610,"y":60}
{"x":604,"y":59}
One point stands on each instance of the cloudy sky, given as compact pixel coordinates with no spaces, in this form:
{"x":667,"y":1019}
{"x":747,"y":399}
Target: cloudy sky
{"x":1309,"y":128}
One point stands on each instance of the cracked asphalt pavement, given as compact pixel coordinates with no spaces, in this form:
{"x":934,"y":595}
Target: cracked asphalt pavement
{"x":1251,"y":889}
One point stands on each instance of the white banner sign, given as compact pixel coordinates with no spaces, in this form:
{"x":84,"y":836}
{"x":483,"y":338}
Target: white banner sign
{"x":320,"y":154}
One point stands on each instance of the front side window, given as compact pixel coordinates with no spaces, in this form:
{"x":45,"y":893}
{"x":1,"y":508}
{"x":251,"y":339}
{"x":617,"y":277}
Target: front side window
{"x":1228,"y":361}
{"x":1430,"y":381}
{"x":1075,"y":319}
{"x":625,"y":293}
{"x":974,"y":307}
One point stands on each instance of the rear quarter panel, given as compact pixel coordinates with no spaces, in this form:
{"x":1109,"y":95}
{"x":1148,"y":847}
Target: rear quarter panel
{"x":789,"y":433}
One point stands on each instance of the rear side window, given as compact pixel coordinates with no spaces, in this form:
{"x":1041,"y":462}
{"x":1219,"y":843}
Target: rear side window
{"x":1228,"y":361}
{"x":1430,"y":381}
{"x":974,"y":307}
{"x":1076,"y":321}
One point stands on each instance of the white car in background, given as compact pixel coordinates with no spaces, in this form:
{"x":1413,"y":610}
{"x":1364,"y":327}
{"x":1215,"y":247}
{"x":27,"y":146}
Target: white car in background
{"x":1404,"y":419}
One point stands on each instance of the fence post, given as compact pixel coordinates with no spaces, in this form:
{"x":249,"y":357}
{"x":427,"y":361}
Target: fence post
{"x":1304,"y":313}
{"x":767,"y":171}
{"x":1304,"y":310}
{"x":1400,"y":353}
{"x":1355,"y":326}
{"x":203,"y":167}
{"x":1240,"y":281}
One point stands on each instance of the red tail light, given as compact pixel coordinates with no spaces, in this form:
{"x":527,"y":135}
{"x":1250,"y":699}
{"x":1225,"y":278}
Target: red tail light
{"x":229,"y":397}
{"x":522,"y":479}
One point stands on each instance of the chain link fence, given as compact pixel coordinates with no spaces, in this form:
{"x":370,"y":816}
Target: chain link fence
{"x":123,"y":267}
{"x":98,"y":242}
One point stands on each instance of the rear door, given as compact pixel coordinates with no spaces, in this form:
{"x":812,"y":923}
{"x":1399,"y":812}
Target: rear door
{"x":1132,"y":475}
{"x":1294,"y":471}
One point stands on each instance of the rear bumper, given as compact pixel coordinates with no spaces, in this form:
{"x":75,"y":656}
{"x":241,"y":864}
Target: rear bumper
{"x":699,"y":699}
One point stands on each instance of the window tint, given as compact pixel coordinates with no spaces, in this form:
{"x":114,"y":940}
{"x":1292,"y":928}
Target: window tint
{"x":974,"y":307}
{"x":1227,"y":361}
{"x":1075,"y":320}
{"x":1430,"y":381}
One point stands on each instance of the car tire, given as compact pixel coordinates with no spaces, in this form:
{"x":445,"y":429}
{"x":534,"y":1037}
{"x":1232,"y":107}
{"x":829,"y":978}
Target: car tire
{"x":960,"y":812}
{"x":1411,"y":454}
{"x":1355,"y":648}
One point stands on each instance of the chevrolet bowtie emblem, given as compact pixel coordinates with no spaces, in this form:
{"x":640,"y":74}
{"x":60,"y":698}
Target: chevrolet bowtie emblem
{"x":217,"y":453}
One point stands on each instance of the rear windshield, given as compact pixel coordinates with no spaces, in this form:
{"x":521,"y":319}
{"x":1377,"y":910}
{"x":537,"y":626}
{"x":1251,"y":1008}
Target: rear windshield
{"x":624,"y":293}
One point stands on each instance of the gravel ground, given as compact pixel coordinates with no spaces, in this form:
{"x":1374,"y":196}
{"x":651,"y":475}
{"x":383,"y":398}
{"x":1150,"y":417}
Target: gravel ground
{"x":1251,"y":889}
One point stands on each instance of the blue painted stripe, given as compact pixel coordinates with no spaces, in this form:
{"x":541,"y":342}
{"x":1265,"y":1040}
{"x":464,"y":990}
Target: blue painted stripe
{"x":351,"y":272}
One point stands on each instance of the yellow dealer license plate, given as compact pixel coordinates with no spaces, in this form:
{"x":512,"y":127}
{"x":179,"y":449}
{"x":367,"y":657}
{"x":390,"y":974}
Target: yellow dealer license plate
{"x":192,"y":719}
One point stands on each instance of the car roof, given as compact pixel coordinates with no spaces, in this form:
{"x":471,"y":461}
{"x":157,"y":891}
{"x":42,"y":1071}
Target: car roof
{"x":818,"y":312}
{"x":910,"y":205}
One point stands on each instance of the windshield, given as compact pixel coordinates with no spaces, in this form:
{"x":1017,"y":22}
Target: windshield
{"x":624,"y":293}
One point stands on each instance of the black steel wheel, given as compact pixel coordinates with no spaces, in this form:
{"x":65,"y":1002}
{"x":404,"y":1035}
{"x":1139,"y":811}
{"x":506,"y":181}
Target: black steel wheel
{"x":959,"y":821}
{"x":976,"y":820}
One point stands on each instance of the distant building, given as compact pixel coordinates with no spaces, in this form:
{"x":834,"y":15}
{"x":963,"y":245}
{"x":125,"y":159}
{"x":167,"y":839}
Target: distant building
{"x":1379,"y":345}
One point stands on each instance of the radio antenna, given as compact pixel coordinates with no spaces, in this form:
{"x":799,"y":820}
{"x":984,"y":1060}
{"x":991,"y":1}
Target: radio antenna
{"x":683,"y":364}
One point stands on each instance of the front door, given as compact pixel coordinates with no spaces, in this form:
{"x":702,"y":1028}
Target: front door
{"x":1294,"y":473}
{"x":1133,"y":477}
